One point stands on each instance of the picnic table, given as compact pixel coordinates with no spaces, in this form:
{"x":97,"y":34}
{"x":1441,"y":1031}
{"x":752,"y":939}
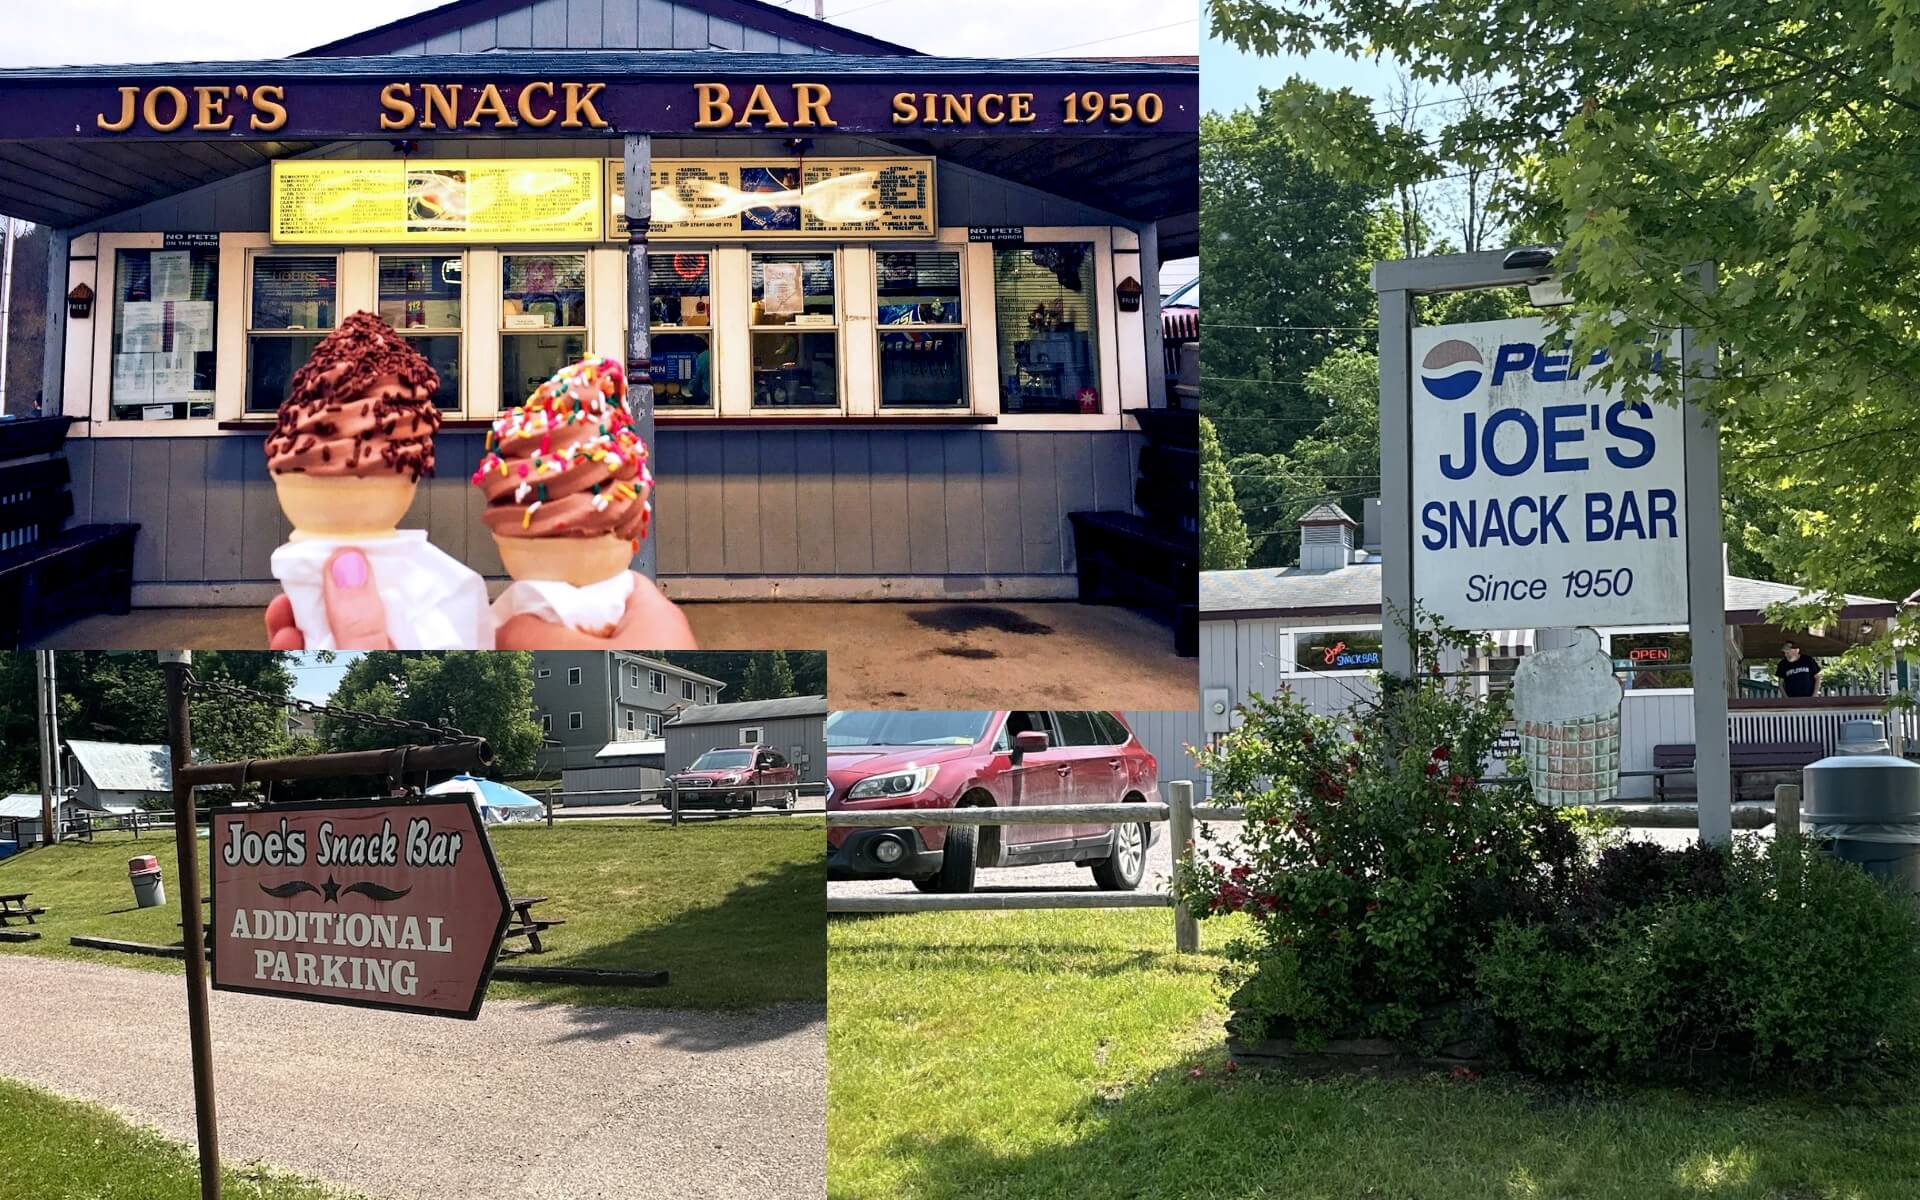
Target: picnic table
{"x":13,"y":906}
{"x":524,"y":924}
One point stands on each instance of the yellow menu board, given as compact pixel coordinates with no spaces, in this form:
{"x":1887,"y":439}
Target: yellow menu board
{"x":782,"y":197}
{"x":455,"y":200}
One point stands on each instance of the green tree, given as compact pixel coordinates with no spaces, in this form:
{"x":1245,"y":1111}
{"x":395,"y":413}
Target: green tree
{"x":1772,"y":139}
{"x":769,"y":677}
{"x":1224,"y":544}
{"x":1286,"y":248}
{"x":488,"y":693}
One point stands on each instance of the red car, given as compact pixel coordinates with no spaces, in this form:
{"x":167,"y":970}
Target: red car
{"x":723,"y":778}
{"x":909,"y":760}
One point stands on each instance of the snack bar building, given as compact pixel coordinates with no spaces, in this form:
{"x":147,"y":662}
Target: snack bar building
{"x":899,"y":305}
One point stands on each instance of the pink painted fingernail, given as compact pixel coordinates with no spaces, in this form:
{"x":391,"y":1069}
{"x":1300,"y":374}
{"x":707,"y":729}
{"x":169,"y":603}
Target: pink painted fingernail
{"x":350,"y":569}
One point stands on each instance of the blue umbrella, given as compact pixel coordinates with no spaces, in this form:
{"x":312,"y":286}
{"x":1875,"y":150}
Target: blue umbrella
{"x":498,"y":802}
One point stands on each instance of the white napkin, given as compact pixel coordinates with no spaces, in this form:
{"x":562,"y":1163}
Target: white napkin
{"x":434,"y":602}
{"x":594,"y":609}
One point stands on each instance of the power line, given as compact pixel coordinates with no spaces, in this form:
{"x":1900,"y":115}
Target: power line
{"x":1212,"y":325}
{"x":1118,"y":36}
{"x":864,"y":7}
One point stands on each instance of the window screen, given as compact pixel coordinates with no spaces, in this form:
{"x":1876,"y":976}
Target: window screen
{"x":165,"y":310}
{"x":1046,"y":321}
{"x":922,"y":342}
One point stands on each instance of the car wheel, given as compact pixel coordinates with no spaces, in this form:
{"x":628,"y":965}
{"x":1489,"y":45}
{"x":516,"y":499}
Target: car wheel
{"x":930,"y":884}
{"x":1123,"y":870}
{"x":958,"y":860}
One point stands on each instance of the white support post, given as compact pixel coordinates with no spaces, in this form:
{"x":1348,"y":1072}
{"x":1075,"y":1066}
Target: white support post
{"x":1706,"y":595}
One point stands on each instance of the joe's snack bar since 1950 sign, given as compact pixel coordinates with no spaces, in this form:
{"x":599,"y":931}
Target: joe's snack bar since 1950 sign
{"x":383,"y":904}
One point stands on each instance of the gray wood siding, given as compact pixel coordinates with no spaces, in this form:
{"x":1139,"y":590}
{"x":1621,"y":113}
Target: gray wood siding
{"x":1166,"y":735}
{"x":734,"y":502}
{"x":688,"y":742}
{"x":606,"y":25}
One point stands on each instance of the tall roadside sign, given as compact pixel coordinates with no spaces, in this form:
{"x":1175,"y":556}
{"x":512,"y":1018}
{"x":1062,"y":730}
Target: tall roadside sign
{"x":1515,"y":494}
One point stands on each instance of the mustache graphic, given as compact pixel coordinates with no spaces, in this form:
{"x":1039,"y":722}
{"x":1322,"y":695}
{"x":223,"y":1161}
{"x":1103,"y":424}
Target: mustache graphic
{"x":332,"y":891}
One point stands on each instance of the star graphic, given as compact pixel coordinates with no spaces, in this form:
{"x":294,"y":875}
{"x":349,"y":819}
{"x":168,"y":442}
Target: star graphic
{"x":332,"y":890}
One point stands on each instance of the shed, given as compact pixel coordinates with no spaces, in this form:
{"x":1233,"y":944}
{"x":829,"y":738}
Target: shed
{"x":637,"y":768}
{"x":796,"y":726}
{"x":119,"y":778}
{"x":20,"y":817}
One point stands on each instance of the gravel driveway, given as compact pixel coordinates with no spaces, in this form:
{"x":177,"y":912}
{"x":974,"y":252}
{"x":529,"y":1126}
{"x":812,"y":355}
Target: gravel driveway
{"x":531,"y":1102}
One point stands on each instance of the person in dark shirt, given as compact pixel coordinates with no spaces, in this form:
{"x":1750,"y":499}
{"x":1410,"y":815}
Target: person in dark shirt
{"x":1798,"y":673}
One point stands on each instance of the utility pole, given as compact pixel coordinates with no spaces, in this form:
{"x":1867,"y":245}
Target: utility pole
{"x":46,"y":707}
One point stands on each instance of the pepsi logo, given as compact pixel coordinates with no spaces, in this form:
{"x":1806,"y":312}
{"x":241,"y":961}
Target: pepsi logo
{"x":1452,"y":369}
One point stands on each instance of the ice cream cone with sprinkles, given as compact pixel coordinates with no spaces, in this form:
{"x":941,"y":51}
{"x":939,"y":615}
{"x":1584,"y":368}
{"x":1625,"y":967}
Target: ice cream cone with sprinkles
{"x":567,"y":480}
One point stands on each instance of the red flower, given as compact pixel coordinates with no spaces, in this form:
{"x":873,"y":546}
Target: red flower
{"x":1239,"y":873}
{"x":1458,"y":780}
{"x":1232,"y":1066}
{"x":1441,"y":752}
{"x":1433,"y":768}
{"x":1196,"y":1073}
{"x":1373,"y":906}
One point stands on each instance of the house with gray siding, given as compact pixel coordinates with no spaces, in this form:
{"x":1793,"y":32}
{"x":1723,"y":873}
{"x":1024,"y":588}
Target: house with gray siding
{"x":893,"y":375}
{"x":586,"y":699}
{"x":795,"y":726}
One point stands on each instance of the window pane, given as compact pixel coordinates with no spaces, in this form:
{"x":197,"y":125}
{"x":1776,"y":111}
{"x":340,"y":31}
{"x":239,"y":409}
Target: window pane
{"x":295,"y":291}
{"x":1043,"y":298}
{"x":421,"y":291}
{"x":1076,"y":729}
{"x":1112,"y":732}
{"x":1642,"y":659}
{"x":679,"y":287}
{"x":543,"y":291}
{"x":165,"y":306}
{"x":1344,"y":650}
{"x":919,"y":288}
{"x":682,"y":370}
{"x":793,"y":289}
{"x":796,"y":370}
{"x":528,"y":360}
{"x":923,"y":369}
{"x":271,"y":362}
{"x":443,"y":351}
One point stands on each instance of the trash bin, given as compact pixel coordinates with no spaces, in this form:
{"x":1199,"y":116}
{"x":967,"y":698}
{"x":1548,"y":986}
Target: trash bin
{"x":144,"y":873}
{"x":1866,"y":807}
{"x":1863,"y":735}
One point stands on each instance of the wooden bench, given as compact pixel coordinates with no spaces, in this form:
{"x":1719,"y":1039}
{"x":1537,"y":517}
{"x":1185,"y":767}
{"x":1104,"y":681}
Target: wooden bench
{"x":1744,"y":758}
{"x":14,"y":907}
{"x":1150,"y":558}
{"x":524,"y":924}
{"x":52,"y":573}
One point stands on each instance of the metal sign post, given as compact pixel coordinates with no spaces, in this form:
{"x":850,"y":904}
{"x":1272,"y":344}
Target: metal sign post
{"x":638,"y":205}
{"x":1453,"y":372}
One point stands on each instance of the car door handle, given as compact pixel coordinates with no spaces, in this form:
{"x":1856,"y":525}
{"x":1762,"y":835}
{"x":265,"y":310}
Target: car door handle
{"x":1064,"y":768}
{"x":1116,"y":763}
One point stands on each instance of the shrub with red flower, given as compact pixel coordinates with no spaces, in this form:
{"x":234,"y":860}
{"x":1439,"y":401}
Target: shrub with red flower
{"x":1380,"y":865}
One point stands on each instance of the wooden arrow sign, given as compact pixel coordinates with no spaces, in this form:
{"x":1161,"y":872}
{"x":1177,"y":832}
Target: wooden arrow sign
{"x":377,"y":903}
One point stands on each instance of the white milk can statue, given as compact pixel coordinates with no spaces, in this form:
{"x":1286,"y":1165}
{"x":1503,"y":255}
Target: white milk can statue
{"x":1566,"y":703}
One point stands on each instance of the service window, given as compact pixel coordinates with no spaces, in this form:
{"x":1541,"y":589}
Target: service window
{"x":421,"y":296}
{"x":1339,"y":650}
{"x":796,"y":331}
{"x":680,"y":292}
{"x":1046,"y":319}
{"x":543,"y":320}
{"x":922,"y":339}
{"x":165,"y":310}
{"x":293,"y":301}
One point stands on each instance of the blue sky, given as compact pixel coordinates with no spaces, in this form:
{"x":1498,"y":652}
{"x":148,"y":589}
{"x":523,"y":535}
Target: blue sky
{"x":315,"y":681}
{"x":1230,"y":79}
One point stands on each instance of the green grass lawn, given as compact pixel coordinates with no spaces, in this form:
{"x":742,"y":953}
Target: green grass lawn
{"x":64,"y":1150}
{"x":731,"y":908}
{"x":1024,"y":1054}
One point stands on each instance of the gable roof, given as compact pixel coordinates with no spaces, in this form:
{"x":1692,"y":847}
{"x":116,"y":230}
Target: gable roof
{"x":753,"y":14}
{"x":1355,"y":590}
{"x":1328,"y":514}
{"x":117,"y":767}
{"x":752,"y":710}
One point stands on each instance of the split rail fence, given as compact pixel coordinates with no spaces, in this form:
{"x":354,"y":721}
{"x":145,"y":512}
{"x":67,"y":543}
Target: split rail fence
{"x":1179,"y":812}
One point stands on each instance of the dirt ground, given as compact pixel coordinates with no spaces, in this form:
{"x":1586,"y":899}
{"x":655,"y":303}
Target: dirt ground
{"x":1054,"y":654}
{"x":530,"y":1102}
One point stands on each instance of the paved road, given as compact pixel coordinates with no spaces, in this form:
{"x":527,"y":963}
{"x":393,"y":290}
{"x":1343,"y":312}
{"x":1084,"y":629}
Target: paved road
{"x":531,"y":1102}
{"x":1053,"y":877}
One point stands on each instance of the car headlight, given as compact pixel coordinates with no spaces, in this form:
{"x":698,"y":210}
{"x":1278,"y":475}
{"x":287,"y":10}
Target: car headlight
{"x":900,"y":783}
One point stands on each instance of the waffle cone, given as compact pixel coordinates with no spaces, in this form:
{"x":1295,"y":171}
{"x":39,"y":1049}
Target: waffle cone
{"x":575,"y":560}
{"x":349,"y":508}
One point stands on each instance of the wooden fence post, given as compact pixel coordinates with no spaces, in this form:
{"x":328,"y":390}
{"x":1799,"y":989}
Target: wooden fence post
{"x":1186,"y":930}
{"x":1786,"y":808}
{"x":673,"y":799}
{"x":549,"y":808}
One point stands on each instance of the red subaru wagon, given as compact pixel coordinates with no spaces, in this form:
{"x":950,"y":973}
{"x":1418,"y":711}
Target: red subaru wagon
{"x":909,"y":760}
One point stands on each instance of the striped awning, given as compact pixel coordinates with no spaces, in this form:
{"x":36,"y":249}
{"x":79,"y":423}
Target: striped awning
{"x":1508,"y":643}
